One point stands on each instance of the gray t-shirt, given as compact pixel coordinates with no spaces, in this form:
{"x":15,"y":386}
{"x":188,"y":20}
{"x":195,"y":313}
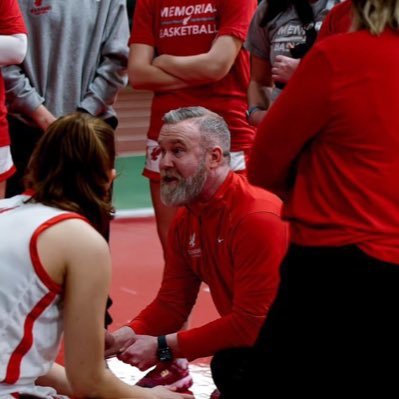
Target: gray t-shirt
{"x":77,"y":58}
{"x":281,"y":33}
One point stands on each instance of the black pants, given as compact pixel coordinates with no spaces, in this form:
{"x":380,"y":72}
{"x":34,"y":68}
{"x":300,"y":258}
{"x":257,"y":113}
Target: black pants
{"x":23,"y":141}
{"x":332,"y":328}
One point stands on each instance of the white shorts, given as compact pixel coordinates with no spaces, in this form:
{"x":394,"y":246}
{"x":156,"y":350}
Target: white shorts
{"x":7,"y":167}
{"x":238,"y":160}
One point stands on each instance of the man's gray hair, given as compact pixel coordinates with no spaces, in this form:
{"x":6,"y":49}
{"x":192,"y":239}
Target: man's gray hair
{"x":212,"y":127}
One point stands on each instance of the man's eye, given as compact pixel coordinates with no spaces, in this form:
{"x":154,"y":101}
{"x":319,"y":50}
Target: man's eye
{"x":178,"y":151}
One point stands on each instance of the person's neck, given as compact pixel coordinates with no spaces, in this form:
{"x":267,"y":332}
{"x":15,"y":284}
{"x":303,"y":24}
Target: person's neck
{"x":212,"y":184}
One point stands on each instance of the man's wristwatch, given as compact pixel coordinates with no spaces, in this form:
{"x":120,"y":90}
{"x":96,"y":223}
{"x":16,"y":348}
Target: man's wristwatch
{"x":164,"y":353}
{"x":253,"y":109}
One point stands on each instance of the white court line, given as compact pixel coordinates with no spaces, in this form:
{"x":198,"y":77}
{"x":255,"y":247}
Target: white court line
{"x":134,"y":213}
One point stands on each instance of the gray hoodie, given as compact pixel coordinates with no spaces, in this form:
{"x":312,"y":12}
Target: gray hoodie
{"x":77,"y":57}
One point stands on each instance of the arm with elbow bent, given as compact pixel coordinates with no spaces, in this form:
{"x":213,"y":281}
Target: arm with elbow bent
{"x":272,"y":161}
{"x":85,"y":293}
{"x":206,"y":67}
{"x":255,"y":284}
{"x":110,"y":75}
{"x":259,"y":89}
{"x":13,"y":48}
{"x":143,"y":75}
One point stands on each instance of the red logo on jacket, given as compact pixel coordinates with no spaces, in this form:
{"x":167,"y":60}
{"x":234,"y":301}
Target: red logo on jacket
{"x":155,"y":153}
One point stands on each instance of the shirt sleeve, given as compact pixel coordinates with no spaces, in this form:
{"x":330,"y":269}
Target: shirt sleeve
{"x":176,"y":297}
{"x":11,"y":20}
{"x":144,"y":23}
{"x":111,"y":73}
{"x":235,"y":17}
{"x":21,"y":95}
{"x":258,"y":41}
{"x":258,"y":246}
{"x":298,"y":114}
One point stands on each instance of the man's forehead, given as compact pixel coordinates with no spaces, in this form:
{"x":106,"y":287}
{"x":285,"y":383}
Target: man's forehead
{"x":181,"y":132}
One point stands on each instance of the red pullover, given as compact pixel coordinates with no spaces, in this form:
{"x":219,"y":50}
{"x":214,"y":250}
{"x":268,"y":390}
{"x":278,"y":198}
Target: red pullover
{"x":336,"y":126}
{"x":234,"y":243}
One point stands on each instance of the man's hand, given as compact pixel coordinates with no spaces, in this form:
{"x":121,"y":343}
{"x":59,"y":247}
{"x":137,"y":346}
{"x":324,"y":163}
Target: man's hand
{"x":118,"y":341}
{"x":283,"y":68}
{"x":142,"y":353}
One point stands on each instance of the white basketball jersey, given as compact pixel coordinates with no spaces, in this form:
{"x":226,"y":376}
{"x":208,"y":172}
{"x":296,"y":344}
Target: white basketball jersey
{"x":30,"y":301}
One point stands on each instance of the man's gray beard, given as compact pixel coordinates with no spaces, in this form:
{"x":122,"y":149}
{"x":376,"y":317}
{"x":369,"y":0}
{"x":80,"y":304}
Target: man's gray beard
{"x":186,"y":190}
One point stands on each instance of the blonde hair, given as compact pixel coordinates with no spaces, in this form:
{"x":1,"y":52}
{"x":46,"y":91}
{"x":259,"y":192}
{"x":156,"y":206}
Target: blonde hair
{"x":376,"y":15}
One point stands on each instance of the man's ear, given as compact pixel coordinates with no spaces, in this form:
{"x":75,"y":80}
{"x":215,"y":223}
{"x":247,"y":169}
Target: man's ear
{"x":216,"y":157}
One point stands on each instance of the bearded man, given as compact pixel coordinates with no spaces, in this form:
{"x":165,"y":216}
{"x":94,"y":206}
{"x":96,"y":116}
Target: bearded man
{"x":227,"y":234}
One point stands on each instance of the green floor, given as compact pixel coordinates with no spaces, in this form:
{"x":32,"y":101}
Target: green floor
{"x":131,"y":189}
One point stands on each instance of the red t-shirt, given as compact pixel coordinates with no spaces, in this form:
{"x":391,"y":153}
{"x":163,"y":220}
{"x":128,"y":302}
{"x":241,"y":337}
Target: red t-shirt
{"x":336,"y":127}
{"x":338,"y":20}
{"x":11,"y":23}
{"x":189,"y":27}
{"x":234,"y":243}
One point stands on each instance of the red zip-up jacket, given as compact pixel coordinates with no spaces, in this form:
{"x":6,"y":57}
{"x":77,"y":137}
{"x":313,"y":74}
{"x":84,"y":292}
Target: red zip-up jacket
{"x":235,"y":244}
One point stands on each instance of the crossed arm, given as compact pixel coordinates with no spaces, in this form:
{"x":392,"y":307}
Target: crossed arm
{"x":168,"y":72}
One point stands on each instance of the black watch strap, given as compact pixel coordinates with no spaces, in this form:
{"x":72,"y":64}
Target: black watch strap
{"x":164,"y":353}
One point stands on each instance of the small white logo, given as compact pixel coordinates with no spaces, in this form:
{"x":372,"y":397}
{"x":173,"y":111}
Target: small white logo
{"x":191,"y":242}
{"x":185,"y":20}
{"x":220,"y":240}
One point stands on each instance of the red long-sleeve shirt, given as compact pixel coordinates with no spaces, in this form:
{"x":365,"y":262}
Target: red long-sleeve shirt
{"x":234,"y":243}
{"x":336,"y":125}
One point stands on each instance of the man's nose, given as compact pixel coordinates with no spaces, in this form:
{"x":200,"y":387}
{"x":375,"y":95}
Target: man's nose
{"x":166,"y":161}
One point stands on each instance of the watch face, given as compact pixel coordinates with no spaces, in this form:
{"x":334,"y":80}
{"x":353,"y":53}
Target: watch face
{"x":165,"y":355}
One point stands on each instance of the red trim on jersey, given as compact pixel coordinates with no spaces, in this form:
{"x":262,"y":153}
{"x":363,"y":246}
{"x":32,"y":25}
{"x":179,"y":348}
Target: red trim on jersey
{"x":29,"y":191}
{"x":14,"y":364}
{"x":15,"y":395}
{"x":37,"y":264}
{"x":9,"y":173}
